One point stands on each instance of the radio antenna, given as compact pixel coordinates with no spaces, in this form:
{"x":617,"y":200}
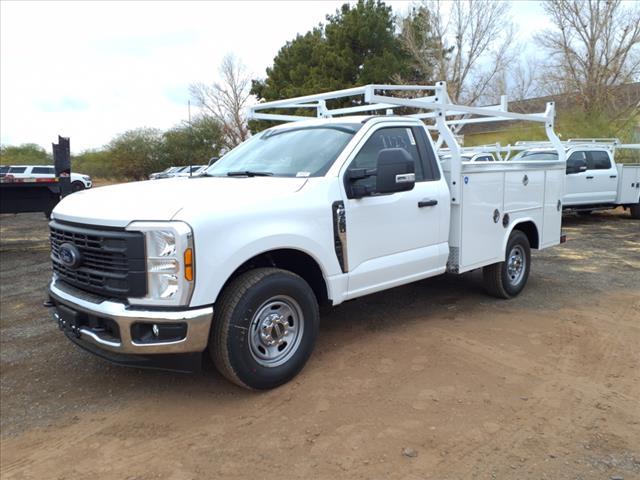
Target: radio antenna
{"x":190,"y":139}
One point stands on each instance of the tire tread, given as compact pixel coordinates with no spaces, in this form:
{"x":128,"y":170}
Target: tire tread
{"x":229,"y":299}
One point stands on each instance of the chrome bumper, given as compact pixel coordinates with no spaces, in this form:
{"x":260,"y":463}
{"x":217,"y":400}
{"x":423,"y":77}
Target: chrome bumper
{"x":198,"y":324}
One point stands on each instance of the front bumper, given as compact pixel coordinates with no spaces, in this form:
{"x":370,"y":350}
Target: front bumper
{"x":90,"y":314}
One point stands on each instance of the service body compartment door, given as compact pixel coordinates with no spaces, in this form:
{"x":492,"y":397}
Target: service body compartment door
{"x":552,"y":221}
{"x":481,"y":223}
{"x":524,"y":190}
{"x":629,"y":184}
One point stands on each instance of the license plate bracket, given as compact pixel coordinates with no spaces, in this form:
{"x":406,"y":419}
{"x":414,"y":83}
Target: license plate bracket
{"x":68,"y":320}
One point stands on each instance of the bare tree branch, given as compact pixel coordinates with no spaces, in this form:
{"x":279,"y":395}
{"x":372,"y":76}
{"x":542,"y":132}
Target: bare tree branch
{"x":593,"y":46}
{"x":473,"y":43}
{"x":226,"y":100}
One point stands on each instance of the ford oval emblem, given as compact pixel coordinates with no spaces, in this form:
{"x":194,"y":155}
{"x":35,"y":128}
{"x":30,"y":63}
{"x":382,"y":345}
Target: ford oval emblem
{"x":69,"y":255}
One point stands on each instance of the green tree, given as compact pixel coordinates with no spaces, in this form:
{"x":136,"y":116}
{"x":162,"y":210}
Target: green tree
{"x":97,"y":163}
{"x":195,"y":145}
{"x":25,"y":154}
{"x":137,"y":153}
{"x":357,"y":46}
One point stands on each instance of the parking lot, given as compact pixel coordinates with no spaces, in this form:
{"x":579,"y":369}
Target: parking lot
{"x":430,"y":380}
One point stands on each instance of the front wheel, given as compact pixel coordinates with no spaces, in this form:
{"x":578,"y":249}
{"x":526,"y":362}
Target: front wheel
{"x":507,"y":279}
{"x":264,"y":328}
{"x":77,"y":186}
{"x":635,"y":211}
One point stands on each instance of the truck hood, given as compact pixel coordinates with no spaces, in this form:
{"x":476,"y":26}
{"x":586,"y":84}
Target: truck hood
{"x":157,"y":200}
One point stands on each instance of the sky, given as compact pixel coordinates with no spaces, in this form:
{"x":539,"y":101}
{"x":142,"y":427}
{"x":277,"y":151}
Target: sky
{"x":92,"y":70}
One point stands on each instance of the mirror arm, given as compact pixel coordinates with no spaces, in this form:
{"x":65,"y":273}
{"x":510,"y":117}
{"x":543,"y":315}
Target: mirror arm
{"x":360,"y":173}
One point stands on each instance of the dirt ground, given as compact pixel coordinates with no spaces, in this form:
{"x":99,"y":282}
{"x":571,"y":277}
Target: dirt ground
{"x":430,"y":380}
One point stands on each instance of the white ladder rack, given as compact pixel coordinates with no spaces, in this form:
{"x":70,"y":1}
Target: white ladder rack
{"x":436,"y":105}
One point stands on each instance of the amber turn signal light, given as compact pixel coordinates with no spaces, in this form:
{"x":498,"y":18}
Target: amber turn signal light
{"x":188,"y":264}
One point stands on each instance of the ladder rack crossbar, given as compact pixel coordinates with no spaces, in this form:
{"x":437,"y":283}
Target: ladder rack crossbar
{"x":436,"y":104}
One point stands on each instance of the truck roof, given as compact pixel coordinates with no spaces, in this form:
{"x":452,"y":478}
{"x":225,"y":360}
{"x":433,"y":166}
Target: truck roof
{"x":346,"y":120}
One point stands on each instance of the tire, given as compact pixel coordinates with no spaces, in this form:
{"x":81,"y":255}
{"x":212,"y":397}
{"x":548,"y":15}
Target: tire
{"x":258,"y":307}
{"x":634,"y":210}
{"x":507,"y":279}
{"x":77,"y":186}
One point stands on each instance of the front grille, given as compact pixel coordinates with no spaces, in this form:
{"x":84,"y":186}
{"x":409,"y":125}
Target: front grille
{"x":112,"y":262}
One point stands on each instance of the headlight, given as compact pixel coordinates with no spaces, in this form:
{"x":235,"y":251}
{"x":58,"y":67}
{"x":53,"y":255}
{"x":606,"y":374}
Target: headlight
{"x":86,"y":177}
{"x":170,"y":265}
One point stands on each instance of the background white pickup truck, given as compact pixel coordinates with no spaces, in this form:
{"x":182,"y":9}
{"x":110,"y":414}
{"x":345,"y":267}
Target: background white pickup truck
{"x":594,"y":180}
{"x":79,"y":181}
{"x":235,"y":263}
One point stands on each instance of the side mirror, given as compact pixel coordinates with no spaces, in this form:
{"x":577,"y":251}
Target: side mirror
{"x":212,"y":160}
{"x":395,"y":171}
{"x":576,"y":166}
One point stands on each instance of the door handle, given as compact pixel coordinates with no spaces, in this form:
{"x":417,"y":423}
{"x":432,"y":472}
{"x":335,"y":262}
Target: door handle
{"x":613,"y":176}
{"x":427,"y":203}
{"x":589,"y":178}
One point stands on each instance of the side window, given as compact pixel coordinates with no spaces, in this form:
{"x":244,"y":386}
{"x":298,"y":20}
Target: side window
{"x":392,"y":137}
{"x":431,"y":165}
{"x":598,"y":161}
{"x":17,"y":169}
{"x":484,"y":158}
{"x":45,"y":170}
{"x":575,"y":156}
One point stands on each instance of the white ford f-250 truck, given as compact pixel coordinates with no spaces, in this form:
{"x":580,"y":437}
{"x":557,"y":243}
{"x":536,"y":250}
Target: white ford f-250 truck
{"x":235,"y":263}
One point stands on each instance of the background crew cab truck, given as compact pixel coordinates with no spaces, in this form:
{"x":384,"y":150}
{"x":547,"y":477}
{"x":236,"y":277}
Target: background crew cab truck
{"x":595,"y":181}
{"x":235,"y":263}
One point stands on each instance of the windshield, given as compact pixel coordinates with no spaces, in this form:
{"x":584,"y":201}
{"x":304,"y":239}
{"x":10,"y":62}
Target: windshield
{"x":290,"y":152}
{"x":539,"y":155}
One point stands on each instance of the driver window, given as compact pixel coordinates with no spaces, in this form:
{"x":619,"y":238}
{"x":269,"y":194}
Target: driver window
{"x":395,"y":137}
{"x":576,"y":158}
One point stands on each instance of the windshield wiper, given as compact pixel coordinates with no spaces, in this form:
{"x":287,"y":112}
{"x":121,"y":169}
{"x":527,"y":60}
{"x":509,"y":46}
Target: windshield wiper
{"x":249,"y":173}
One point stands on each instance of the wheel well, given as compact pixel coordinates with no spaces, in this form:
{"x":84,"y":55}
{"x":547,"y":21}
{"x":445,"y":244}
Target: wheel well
{"x":531,"y":231}
{"x":292,"y":260}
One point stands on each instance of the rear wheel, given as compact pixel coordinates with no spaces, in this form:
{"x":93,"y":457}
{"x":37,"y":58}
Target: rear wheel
{"x":635,"y":211}
{"x":507,"y":279}
{"x":264,"y":330}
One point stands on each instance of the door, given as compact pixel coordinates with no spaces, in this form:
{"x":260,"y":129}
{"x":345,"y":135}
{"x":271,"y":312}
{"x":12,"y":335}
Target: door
{"x":602,"y":176}
{"x":576,"y":188}
{"x":400,"y":237}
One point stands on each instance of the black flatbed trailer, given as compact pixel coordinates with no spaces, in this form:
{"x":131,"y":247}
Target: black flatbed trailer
{"x":21,"y":195}
{"x":29,"y":195}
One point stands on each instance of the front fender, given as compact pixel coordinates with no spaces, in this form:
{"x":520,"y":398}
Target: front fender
{"x":213,"y":270}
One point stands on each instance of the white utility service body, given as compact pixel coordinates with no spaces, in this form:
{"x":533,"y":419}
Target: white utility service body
{"x":252,"y":254}
{"x":594,"y":180}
